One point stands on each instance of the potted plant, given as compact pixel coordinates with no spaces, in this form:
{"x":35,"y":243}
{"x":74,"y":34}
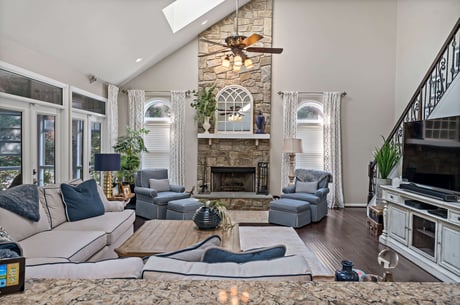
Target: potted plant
{"x":205,"y":106}
{"x":386,"y":158}
{"x":212,"y":214}
{"x":130,"y":146}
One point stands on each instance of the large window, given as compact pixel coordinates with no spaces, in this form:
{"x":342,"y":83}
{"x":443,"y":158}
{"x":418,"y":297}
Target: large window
{"x":157,"y":113}
{"x":310,"y":130}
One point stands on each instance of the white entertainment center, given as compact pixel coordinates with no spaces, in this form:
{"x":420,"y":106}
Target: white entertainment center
{"x":424,"y":230}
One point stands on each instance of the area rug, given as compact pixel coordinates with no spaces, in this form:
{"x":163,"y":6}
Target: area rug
{"x":263,"y":236}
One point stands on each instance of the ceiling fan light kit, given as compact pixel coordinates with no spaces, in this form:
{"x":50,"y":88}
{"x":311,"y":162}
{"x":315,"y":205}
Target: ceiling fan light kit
{"x":238,"y":45}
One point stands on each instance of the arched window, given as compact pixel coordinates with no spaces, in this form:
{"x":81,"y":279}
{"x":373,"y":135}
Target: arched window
{"x":310,"y":130}
{"x":234,"y":110}
{"x":157,"y":113}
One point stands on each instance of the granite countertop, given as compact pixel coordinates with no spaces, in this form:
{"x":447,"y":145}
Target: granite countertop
{"x":215,"y":292}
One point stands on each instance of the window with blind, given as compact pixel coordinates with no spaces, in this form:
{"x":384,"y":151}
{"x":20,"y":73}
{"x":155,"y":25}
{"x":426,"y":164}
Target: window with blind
{"x":310,"y":130}
{"x":157,"y":121}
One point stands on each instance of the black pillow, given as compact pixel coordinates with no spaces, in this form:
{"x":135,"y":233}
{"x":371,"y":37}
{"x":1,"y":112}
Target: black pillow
{"x":82,"y":201}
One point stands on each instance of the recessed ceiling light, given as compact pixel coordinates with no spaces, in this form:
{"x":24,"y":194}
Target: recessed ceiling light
{"x":139,"y":59}
{"x":204,"y":22}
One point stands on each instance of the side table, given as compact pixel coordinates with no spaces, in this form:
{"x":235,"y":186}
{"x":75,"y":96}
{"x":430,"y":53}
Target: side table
{"x":125,"y":198}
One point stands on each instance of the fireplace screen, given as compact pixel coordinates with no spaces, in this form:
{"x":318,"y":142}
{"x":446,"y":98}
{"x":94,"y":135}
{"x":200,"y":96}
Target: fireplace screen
{"x":233,"y":179}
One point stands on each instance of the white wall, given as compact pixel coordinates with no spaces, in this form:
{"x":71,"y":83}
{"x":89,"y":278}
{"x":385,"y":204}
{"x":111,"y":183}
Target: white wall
{"x":337,"y":45}
{"x":15,"y":54}
{"x":179,"y":71}
{"x":423,"y":26}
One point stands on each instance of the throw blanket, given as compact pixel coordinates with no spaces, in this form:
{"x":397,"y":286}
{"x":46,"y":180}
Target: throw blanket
{"x":22,"y":200}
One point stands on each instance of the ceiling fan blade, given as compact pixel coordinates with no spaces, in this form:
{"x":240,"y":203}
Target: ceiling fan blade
{"x":215,"y":52}
{"x":213,"y":42}
{"x":265,"y":50}
{"x":252,"y":39}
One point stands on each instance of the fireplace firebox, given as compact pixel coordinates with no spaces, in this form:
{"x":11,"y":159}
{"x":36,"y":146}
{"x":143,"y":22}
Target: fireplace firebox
{"x":233,"y":179}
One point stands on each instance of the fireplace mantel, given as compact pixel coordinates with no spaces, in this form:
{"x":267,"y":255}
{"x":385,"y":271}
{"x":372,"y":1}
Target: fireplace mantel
{"x":235,"y":135}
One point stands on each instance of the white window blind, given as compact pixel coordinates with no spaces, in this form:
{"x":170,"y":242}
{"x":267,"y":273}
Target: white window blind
{"x":157,"y":143}
{"x":312,"y":146}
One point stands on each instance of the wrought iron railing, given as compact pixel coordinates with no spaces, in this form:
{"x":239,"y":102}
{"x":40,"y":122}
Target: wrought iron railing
{"x":434,"y":84}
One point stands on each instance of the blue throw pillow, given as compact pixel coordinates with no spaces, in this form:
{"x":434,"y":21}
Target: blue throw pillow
{"x":219,"y":255}
{"x":82,"y":201}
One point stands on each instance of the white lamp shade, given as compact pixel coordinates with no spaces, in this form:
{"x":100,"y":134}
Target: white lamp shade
{"x":291,"y":145}
{"x":237,"y":61}
{"x":248,"y":63}
{"x":226,"y":62}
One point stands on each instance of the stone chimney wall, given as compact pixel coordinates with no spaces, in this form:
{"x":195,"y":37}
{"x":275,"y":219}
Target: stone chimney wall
{"x":254,"y":17}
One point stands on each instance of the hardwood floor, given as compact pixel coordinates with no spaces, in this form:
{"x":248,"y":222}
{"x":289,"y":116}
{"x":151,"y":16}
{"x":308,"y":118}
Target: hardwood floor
{"x":344,"y":234}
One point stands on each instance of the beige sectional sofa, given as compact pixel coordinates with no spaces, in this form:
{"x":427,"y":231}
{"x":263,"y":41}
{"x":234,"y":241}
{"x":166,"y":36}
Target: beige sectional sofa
{"x":54,"y":239}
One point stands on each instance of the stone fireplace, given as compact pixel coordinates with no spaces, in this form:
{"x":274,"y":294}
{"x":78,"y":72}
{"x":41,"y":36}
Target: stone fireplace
{"x":233,"y":179}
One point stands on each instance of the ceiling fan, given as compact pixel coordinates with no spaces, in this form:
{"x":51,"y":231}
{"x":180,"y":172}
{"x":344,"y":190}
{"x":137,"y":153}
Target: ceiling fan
{"x":239,"y":44}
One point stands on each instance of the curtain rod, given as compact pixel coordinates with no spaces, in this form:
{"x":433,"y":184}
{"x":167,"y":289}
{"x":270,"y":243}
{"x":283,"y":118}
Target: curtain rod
{"x":310,"y":92}
{"x":187,"y":92}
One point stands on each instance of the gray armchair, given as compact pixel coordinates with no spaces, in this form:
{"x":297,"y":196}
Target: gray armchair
{"x":311,"y":186}
{"x":152,"y":203}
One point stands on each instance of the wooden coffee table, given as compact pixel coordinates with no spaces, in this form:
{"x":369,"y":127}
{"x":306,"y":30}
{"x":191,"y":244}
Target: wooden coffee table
{"x":159,"y":236}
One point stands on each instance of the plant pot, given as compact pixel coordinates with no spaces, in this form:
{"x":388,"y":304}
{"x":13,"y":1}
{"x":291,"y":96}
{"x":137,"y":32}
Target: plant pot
{"x":206,"y":125}
{"x":206,"y":218}
{"x":378,"y":190}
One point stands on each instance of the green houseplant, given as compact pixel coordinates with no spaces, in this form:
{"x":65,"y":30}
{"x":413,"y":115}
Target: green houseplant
{"x":130,"y":146}
{"x":386,"y":157}
{"x":205,"y":105}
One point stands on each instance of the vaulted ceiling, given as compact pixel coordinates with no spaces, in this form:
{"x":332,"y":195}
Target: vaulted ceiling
{"x":100,"y":37}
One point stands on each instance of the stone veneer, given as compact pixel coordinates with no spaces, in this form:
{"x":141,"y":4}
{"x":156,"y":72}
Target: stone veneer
{"x":254,"y":17}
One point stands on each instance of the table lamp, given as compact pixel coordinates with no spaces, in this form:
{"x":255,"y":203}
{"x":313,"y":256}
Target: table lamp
{"x":292,"y":146}
{"x":107,"y":163}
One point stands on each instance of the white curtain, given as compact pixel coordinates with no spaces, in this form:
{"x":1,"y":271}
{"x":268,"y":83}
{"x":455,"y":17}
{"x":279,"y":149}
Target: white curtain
{"x":113,"y":114}
{"x":290,"y":101}
{"x":177,"y":142}
{"x":333,"y":147}
{"x":136,"y":100}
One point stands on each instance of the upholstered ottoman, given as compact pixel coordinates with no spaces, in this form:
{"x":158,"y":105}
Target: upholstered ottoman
{"x":289,"y":212}
{"x":182,"y":209}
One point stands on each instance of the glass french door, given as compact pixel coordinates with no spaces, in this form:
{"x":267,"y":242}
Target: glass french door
{"x":86,"y":142}
{"x":28,"y":142}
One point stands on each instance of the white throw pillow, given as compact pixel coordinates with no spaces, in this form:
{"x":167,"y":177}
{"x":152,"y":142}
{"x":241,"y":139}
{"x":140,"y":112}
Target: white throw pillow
{"x":306,"y":187}
{"x":160,"y":185}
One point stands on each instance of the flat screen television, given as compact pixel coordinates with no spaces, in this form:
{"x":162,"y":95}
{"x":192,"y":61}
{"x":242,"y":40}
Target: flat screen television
{"x":431,"y":154}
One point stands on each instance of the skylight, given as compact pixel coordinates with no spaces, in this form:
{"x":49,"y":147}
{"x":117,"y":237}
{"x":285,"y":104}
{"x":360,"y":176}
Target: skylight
{"x":181,"y":13}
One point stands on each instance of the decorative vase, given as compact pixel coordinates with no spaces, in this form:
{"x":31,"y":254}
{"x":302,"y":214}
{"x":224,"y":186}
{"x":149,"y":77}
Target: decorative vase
{"x":206,"y":218}
{"x":260,"y":122}
{"x":347,"y":273}
{"x":206,"y":124}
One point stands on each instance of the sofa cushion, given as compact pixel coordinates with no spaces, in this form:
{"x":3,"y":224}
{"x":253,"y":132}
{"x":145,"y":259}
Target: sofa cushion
{"x":220,"y":255}
{"x":311,"y":198}
{"x":284,"y":268}
{"x":19,"y":227}
{"x":114,"y":224}
{"x":45,"y":260}
{"x":51,"y":199}
{"x":195,"y":252}
{"x":82,"y":201}
{"x":164,"y":197}
{"x":160,"y":185}
{"x":306,"y":187}
{"x":77,"y":246}
{"x":126,"y":268}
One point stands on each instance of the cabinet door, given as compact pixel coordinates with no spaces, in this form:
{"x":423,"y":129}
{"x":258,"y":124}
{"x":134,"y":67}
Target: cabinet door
{"x":449,"y":248}
{"x":398,"y":224}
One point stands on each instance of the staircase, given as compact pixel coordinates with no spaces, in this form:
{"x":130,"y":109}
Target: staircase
{"x":441,"y":74}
